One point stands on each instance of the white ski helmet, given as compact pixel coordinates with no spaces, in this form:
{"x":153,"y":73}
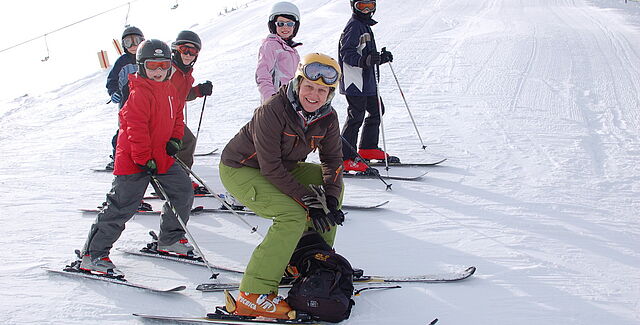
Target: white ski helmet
{"x":286,"y":9}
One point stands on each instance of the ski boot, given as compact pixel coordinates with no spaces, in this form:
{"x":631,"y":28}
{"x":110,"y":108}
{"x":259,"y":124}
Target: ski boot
{"x":99,"y":266}
{"x":181,"y":248}
{"x":231,"y":201}
{"x":359,"y":167}
{"x":199,"y":190}
{"x":178,"y":249}
{"x":109,"y":166}
{"x":259,"y":305}
{"x":377,"y":154}
{"x":144,"y":206}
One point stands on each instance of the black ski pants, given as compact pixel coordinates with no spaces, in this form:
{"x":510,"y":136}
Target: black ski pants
{"x":358,"y":106}
{"x":122,"y":203}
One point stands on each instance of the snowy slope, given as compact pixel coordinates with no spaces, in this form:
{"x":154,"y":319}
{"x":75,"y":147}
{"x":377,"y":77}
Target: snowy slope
{"x":535,"y":103}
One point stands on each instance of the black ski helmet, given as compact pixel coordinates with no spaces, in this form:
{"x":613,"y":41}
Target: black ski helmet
{"x":359,"y":13}
{"x":130,"y":30}
{"x":152,"y":49}
{"x":287,"y":10}
{"x":185,"y":36}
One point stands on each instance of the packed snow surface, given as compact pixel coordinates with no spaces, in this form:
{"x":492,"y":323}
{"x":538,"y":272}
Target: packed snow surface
{"x":536,"y":105}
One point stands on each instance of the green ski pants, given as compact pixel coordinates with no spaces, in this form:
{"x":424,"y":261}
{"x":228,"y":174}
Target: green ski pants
{"x":271,"y":257}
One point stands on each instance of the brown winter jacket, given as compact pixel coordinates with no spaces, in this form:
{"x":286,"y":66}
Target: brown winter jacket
{"x":275,"y":140}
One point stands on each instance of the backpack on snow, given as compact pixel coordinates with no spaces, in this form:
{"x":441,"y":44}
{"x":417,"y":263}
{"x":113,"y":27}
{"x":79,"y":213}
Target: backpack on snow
{"x":325,"y":285}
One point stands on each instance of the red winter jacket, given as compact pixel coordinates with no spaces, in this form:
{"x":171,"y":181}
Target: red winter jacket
{"x":183,"y":82}
{"x":151,"y":116}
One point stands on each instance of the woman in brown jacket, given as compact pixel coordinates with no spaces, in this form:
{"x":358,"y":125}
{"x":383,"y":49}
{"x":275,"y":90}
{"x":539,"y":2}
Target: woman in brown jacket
{"x":263,"y":167}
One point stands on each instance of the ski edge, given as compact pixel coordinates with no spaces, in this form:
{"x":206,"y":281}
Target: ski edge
{"x":178,"y":260}
{"x":368,"y":279}
{"x":115,"y":281}
{"x":400,"y":178}
{"x":213,"y":152}
{"x":218,"y":321}
{"x":435,"y":163}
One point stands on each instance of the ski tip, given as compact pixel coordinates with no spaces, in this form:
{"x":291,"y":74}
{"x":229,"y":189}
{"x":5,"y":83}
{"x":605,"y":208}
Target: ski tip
{"x":471,"y":270}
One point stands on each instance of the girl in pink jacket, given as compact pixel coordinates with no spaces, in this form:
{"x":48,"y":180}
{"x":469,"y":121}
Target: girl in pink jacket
{"x":278,"y":59}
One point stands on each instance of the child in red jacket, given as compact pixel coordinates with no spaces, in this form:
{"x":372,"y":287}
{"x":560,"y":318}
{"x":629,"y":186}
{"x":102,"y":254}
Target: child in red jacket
{"x":151,"y":129}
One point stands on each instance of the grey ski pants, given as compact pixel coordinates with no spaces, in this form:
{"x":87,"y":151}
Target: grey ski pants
{"x":123,"y":200}
{"x":188,"y":147}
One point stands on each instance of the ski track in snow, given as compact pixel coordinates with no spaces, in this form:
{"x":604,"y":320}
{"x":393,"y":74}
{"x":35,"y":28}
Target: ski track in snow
{"x":535,"y":104}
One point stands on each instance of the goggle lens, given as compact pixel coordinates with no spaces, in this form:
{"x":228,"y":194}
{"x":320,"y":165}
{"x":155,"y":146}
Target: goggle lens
{"x":132,"y":40}
{"x":365,"y":6}
{"x":157,"y":64}
{"x":288,"y":23}
{"x":187,"y":50}
{"x":314,"y":71}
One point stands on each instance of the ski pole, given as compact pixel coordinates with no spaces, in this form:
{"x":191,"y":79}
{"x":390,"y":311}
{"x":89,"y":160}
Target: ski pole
{"x":224,"y":203}
{"x":365,"y":162}
{"x":407,"y":106}
{"x":201,"y":114}
{"x":376,"y":70}
{"x":157,"y":186}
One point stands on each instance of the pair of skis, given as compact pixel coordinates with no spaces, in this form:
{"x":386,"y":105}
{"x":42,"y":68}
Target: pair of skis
{"x":360,"y":279}
{"x":74,"y":271}
{"x":221,"y":316}
{"x":202,"y":209}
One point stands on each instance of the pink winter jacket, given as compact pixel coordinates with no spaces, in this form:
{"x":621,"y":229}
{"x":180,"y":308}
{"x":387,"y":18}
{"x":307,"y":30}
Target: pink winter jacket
{"x":277,"y":64}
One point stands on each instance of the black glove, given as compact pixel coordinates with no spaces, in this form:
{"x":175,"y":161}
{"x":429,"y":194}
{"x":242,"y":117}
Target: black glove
{"x":150,"y":167}
{"x":173,"y":146}
{"x":370,"y":60}
{"x":334,"y":213}
{"x":317,"y":206}
{"x":206,"y":88}
{"x":385,"y":56}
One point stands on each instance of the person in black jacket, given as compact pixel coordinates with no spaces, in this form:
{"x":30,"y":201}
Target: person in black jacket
{"x":359,"y":60}
{"x":118,"y":78}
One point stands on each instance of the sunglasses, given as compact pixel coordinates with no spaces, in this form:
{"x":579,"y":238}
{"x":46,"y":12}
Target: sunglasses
{"x":162,"y":64}
{"x":365,"y":6}
{"x":288,"y":23}
{"x":316,"y":70}
{"x":187,"y":50}
{"x":132,"y":40}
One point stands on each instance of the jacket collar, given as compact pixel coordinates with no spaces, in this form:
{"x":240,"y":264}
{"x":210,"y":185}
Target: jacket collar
{"x":365,"y":19}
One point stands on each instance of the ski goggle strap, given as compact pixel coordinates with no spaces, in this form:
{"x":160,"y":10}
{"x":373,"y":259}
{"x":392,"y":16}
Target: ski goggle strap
{"x":365,"y":6}
{"x":162,"y":64}
{"x":187,"y":50}
{"x":132,"y":40}
{"x":316,"y":70}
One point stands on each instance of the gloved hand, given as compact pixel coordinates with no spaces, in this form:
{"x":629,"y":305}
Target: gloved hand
{"x":173,"y":146}
{"x":334,"y":213}
{"x":321,"y":221}
{"x":206,"y":88}
{"x":116,"y":97}
{"x":318,"y":211}
{"x":385,"y":56}
{"x":150,"y":167}
{"x":370,"y":60}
